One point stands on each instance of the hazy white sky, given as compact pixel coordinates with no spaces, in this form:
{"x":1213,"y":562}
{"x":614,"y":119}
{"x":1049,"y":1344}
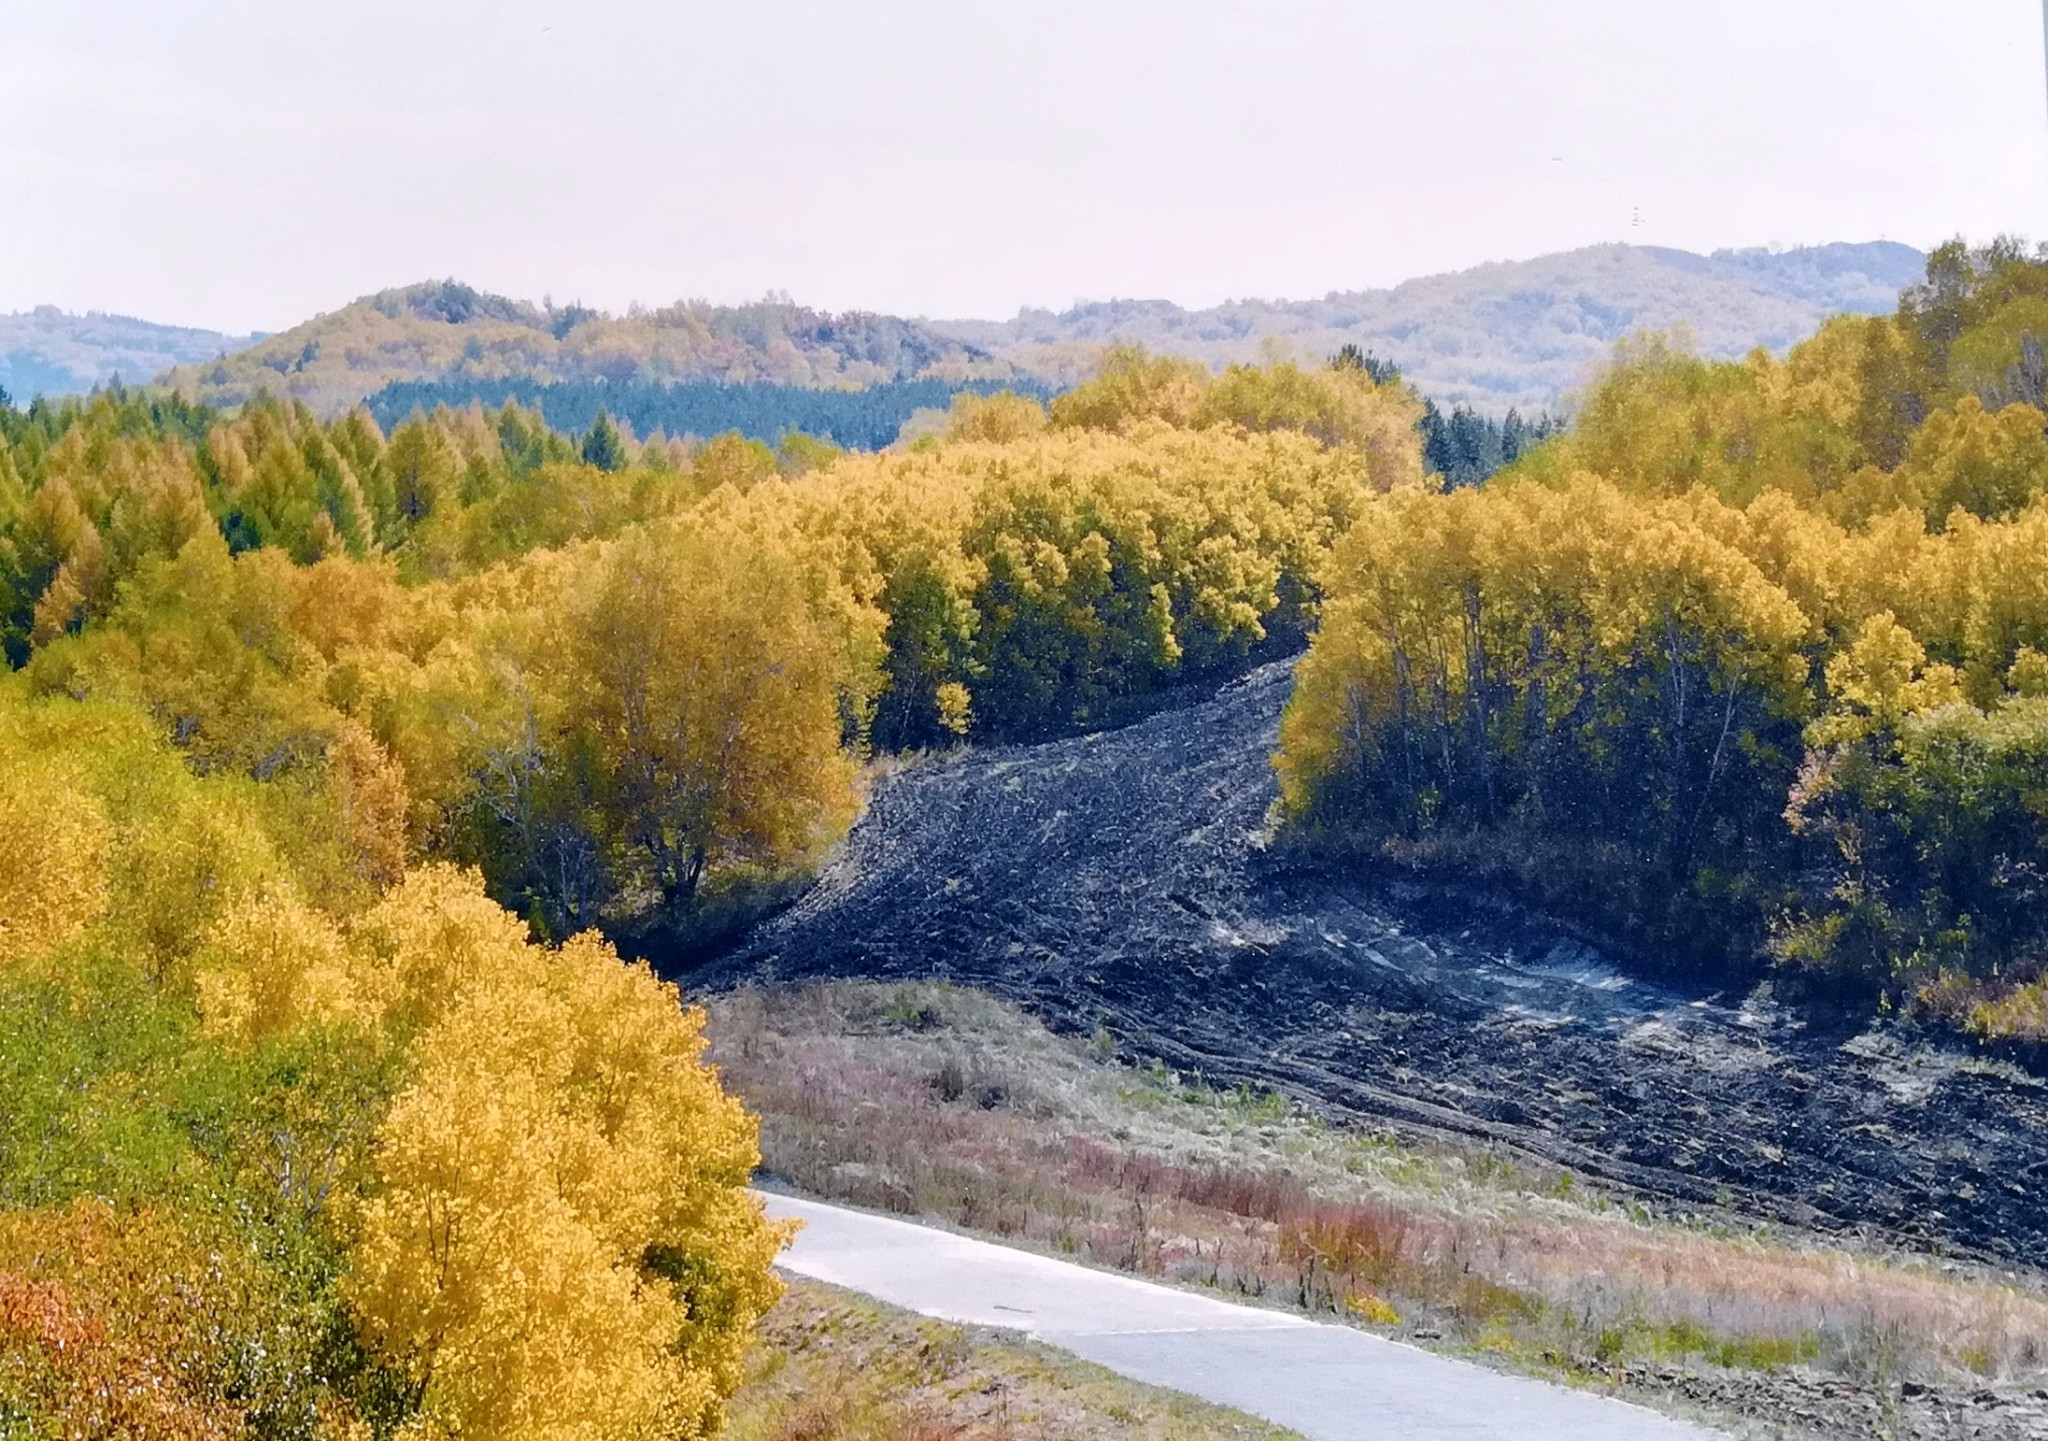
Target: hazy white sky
{"x":242,"y":165}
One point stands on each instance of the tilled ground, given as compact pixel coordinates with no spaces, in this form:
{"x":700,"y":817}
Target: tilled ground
{"x":1808,"y":1405}
{"x":1121,"y":881}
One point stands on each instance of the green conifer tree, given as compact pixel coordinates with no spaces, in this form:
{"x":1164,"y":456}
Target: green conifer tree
{"x":602,"y":446}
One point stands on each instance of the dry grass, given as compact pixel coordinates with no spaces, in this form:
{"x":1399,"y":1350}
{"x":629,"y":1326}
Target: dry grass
{"x":929,"y":1100}
{"x":834,"y":1366}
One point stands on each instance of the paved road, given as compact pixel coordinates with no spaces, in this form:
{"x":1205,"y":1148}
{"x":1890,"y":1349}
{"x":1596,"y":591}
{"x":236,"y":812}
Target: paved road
{"x":1330,"y":1383}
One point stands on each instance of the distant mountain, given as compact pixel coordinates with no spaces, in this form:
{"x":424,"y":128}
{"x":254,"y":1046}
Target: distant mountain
{"x":48,"y":351}
{"x":446,"y":331}
{"x":1520,"y":333}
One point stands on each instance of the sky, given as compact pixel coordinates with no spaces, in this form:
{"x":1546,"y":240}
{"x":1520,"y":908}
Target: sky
{"x":242,"y":166}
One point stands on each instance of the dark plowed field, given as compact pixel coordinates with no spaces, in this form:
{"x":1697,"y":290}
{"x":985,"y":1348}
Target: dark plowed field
{"x":1121,"y":881}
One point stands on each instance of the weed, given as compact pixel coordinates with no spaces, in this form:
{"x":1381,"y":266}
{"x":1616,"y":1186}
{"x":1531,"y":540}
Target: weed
{"x":1371,"y":1309}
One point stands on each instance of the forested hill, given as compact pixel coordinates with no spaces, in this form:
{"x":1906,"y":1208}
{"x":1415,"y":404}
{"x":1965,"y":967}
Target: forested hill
{"x":447,"y":331}
{"x":47,"y":351}
{"x":1521,"y":333}
{"x":1513,"y":334}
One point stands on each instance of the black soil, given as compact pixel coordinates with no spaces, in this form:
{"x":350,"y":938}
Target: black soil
{"x":1122,"y":881}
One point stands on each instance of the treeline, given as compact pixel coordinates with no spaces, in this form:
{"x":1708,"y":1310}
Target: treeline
{"x":1467,"y":448}
{"x":869,"y":418}
{"x":327,"y":751}
{"x":465,"y":592}
{"x":94,"y":492}
{"x":1750,"y":667}
{"x":1460,"y":446}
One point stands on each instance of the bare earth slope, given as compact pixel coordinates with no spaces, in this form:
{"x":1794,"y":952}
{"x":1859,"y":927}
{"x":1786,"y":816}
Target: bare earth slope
{"x":1121,"y":881}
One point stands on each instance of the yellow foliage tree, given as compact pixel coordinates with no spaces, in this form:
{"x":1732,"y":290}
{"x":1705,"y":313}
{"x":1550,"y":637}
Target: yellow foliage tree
{"x":54,"y":843}
{"x":272,"y":963}
{"x":559,"y":1243}
{"x":703,"y":693}
{"x":1130,"y":386}
{"x":1879,"y":679}
{"x":1336,"y":405}
{"x":999,"y":419}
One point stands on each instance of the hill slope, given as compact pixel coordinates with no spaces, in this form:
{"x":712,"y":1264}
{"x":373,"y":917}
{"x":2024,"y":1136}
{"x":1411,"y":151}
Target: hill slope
{"x":1520,"y":333}
{"x":47,"y":351}
{"x":444,"y":330}
{"x":1120,"y":882}
{"x":1515,"y":333}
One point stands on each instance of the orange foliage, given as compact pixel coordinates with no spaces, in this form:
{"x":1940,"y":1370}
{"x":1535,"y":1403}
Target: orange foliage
{"x":97,"y":1332}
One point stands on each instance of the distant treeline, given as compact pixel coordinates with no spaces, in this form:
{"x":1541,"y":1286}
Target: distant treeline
{"x":1461,"y":445}
{"x":1466,"y":448}
{"x":866,"y":419}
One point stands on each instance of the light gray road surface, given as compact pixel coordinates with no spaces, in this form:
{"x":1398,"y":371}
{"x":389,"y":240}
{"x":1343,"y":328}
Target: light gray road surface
{"x":1330,"y":1383}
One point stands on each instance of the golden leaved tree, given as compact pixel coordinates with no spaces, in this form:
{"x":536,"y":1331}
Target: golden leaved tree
{"x":558,"y":1243}
{"x":701,"y":696}
{"x":531,"y":1186}
{"x":54,"y":840}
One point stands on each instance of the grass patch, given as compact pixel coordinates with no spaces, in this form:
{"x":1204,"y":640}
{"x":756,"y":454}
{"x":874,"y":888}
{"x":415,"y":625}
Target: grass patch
{"x":831,"y":1365}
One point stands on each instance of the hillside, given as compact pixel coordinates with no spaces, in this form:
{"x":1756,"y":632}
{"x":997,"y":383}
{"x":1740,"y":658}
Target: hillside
{"x":1521,"y":333}
{"x":47,"y":351}
{"x":935,"y":1101}
{"x":444,"y":330}
{"x":1121,"y":883}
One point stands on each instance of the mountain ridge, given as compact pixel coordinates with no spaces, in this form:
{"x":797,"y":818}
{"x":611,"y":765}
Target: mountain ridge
{"x":1504,"y":333}
{"x":1516,"y":333}
{"x":446,"y":330}
{"x":45,"y":350}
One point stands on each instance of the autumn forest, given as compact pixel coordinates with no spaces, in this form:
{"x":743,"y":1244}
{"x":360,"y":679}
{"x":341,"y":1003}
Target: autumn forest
{"x":360,"y":779}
